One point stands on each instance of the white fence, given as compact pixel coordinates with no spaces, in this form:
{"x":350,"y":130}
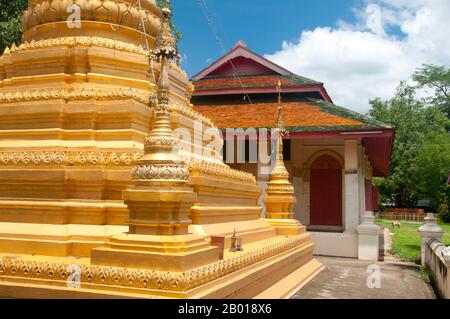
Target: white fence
{"x":435,"y":261}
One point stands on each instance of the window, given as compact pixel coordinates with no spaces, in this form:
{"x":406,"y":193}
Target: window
{"x":287,"y":150}
{"x":247,"y":151}
{"x":224,"y":151}
{"x":250,"y":151}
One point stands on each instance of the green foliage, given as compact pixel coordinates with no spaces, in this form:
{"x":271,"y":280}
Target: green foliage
{"x":444,"y":211}
{"x":432,"y":170}
{"x":424,"y":274}
{"x":10,"y":25}
{"x":437,"y":78}
{"x":421,"y":156}
{"x":406,"y":240}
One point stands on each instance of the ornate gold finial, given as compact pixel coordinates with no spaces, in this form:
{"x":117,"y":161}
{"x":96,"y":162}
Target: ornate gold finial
{"x":280,"y":169}
{"x":280,"y":198}
{"x":279,"y":184}
{"x":280,"y":122}
{"x":159,"y":155}
{"x":281,"y":131}
{"x":166,"y":44}
{"x":160,"y":200}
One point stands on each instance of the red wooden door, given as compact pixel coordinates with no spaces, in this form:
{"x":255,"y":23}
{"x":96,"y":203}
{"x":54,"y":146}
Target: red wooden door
{"x":326,"y":192}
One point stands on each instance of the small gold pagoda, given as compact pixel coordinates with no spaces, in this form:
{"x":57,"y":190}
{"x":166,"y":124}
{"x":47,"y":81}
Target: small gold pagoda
{"x":90,"y":185}
{"x":280,"y":199}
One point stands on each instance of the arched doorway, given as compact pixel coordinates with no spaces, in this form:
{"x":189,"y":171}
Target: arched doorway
{"x":326,"y":192}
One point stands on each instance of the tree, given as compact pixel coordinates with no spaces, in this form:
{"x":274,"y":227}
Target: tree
{"x":419,"y":128}
{"x":10,"y":25}
{"x":432,"y":170}
{"x":437,"y":78}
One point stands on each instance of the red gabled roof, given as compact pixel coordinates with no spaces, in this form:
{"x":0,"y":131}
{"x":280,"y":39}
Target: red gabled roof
{"x":240,"y":50}
{"x":242,"y":71}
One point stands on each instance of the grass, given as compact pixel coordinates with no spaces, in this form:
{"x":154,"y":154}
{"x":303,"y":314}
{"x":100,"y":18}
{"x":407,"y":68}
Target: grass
{"x":424,"y":274}
{"x":406,"y":240}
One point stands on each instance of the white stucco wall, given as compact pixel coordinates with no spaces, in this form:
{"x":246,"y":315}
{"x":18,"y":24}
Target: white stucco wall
{"x":356,"y":168}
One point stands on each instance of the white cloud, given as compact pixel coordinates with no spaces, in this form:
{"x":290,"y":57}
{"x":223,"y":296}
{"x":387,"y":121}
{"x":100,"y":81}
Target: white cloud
{"x":361,"y":61}
{"x":374,"y":20}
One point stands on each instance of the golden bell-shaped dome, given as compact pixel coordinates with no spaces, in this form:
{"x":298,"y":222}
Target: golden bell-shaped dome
{"x":135,"y":19}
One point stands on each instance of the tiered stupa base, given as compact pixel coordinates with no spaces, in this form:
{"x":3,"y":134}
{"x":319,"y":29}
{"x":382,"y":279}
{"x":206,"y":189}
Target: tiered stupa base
{"x":172,"y":253}
{"x":289,"y":227}
{"x":78,"y":105}
{"x":272,"y":268}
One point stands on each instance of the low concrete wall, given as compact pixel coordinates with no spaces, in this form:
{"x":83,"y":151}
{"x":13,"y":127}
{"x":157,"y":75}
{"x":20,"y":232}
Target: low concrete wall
{"x":335,"y":244}
{"x":436,"y":263}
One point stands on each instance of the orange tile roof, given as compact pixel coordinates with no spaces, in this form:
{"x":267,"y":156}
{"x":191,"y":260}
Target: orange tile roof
{"x":246,"y":81}
{"x":295,"y":114}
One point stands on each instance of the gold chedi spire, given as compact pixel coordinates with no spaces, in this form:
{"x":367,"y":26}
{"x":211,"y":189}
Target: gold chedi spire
{"x":279,"y":178}
{"x":280,"y":199}
{"x":160,"y":161}
{"x":161,"y":199}
{"x":161,"y":165}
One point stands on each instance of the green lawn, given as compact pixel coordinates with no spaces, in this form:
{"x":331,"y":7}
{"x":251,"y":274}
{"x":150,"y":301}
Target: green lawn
{"x":406,"y":240}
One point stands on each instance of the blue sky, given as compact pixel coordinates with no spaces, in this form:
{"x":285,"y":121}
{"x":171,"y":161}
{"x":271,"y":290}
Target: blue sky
{"x":262,"y":24}
{"x":360,"y":49}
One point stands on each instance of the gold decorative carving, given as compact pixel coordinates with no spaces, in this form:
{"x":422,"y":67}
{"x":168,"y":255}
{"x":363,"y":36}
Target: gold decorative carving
{"x":280,"y":188}
{"x":160,"y":172}
{"x":139,"y":278}
{"x":161,"y":140}
{"x":118,"y":12}
{"x":142,"y":96}
{"x":71,"y":42}
{"x":166,"y":43}
{"x":222,"y":170}
{"x":65,"y":158}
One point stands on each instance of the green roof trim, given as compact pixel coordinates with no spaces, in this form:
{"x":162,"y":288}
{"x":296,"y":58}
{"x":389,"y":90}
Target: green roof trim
{"x":300,"y":80}
{"x":328,"y":128}
{"x":294,"y":129}
{"x":349,"y":114}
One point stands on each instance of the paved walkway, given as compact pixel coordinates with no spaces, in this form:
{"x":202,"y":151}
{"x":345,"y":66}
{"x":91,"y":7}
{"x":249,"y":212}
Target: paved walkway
{"x":346,"y":278}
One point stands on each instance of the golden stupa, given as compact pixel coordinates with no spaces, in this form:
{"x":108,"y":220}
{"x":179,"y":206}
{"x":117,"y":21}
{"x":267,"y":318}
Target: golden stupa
{"x":94,"y":202}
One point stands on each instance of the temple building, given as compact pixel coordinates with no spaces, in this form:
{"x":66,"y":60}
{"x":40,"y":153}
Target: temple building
{"x":331,"y":153}
{"x":95,"y":202}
